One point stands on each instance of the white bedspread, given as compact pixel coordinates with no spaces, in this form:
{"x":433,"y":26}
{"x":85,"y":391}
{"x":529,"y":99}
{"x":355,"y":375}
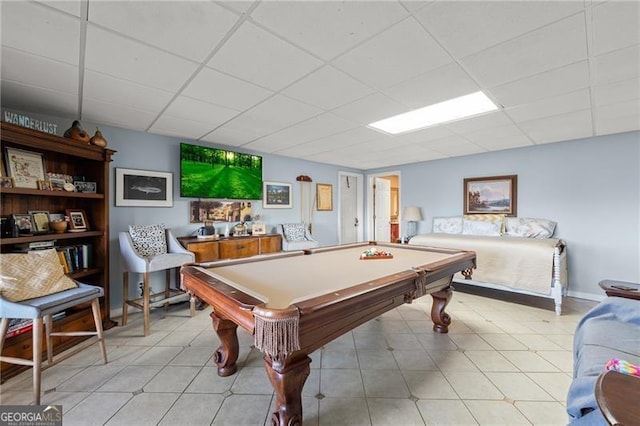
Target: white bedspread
{"x":524,"y":263}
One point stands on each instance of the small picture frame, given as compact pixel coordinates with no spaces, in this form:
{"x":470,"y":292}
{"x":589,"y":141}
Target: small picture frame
{"x":40,"y":222}
{"x":493,"y":194}
{"x":276,"y":195}
{"x":86,"y":187}
{"x":324,"y":197}
{"x":258,"y":229}
{"x":25,"y":167}
{"x":23,"y":223}
{"x":6,"y":182}
{"x":77,"y":220}
{"x":44,"y":185}
{"x":57,"y":184}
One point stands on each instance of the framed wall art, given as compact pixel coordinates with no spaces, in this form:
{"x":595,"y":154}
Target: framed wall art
{"x":276,"y":195}
{"x":25,"y":167}
{"x":143,"y":188}
{"x":494,"y":194}
{"x":324,"y":197}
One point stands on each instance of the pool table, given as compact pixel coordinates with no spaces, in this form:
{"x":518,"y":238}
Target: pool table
{"x":296,"y":302}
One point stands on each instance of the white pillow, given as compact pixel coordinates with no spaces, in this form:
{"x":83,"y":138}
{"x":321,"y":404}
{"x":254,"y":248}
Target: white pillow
{"x":476,"y":227}
{"x":529,"y":228}
{"x":447,"y":225}
{"x":149,"y":240}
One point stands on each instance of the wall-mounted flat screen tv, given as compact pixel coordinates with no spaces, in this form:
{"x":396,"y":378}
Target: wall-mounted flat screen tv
{"x":207,"y":172}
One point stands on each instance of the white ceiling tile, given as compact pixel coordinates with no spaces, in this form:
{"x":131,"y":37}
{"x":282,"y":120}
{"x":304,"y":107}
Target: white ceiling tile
{"x":558,"y":128}
{"x":544,"y":85}
{"x":370,"y":109}
{"x":115,"y":91}
{"x":500,"y":143}
{"x":39,"y":30}
{"x":70,"y":6}
{"x":415,"y":5}
{"x":308,"y":130}
{"x":240,"y":6}
{"x":430,"y":133}
{"x":575,"y":101}
{"x":621,"y":91}
{"x":123,"y":58}
{"x":180,"y":127}
{"x":330,"y":143}
{"x":36,"y":99}
{"x":195,"y":110}
{"x":616,"y":24}
{"x":220,"y":89}
{"x":236,"y":132}
{"x":38,"y":71}
{"x":255,"y":55}
{"x":116,"y":115}
{"x":619,"y":117}
{"x":444,"y":83}
{"x":620,"y":65}
{"x":483,"y":121}
{"x":401,"y":52}
{"x":465,"y":27}
{"x":280,"y":111}
{"x":499,"y":138}
{"x":327,"y":88}
{"x":187,"y":28}
{"x":551,"y":47}
{"x":328,"y":28}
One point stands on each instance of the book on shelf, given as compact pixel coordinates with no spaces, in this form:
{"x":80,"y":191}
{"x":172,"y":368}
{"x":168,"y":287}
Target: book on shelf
{"x":75,"y":257}
{"x":18,"y":326}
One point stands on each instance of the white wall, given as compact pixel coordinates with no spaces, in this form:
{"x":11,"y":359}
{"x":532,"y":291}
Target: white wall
{"x":591,"y":187}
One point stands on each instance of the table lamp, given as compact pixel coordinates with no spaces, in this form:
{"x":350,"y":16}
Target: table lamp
{"x":412,"y":216}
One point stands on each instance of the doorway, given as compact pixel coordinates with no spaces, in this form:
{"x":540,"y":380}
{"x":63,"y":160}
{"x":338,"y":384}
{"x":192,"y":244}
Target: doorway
{"x":351,"y":217}
{"x":383,"y":206}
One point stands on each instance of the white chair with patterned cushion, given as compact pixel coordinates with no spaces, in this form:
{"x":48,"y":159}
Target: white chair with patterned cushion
{"x":146,"y":249}
{"x":296,"y":236}
{"x":34,"y":287}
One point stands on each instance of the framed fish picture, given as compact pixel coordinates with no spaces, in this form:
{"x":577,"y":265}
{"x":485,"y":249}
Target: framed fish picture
{"x":143,"y":188}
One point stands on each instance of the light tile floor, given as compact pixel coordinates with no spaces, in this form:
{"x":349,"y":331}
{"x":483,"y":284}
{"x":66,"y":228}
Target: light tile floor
{"x":501,"y":363}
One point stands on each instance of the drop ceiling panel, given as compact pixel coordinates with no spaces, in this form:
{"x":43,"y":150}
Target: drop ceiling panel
{"x":236,"y":132}
{"x":499,"y":137}
{"x":621,"y":91}
{"x":196,"y":110}
{"x":550,"y":47}
{"x":483,"y":121}
{"x":190,"y":29}
{"x":427,"y":134}
{"x":116,"y":115}
{"x":618,"y":117}
{"x":619,"y":65}
{"x":39,"y":71}
{"x":616,"y":24}
{"x":328,"y":28}
{"x":562,"y":104}
{"x":180,"y":127}
{"x":574,"y":125}
{"x":129,"y":60}
{"x":279,"y":112}
{"x":258,"y":56}
{"x":72,"y":7}
{"x":221,"y":89}
{"x":37,"y":29}
{"x":29,"y":98}
{"x":327,"y":88}
{"x":115,"y":91}
{"x":370,"y":109}
{"x":401,"y":52}
{"x":466,"y":27}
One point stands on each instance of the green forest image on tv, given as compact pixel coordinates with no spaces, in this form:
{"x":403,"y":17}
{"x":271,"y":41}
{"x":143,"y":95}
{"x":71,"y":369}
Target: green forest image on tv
{"x":216,"y":173}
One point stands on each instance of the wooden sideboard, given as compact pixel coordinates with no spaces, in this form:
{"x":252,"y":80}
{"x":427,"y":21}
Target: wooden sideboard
{"x":209,"y":250}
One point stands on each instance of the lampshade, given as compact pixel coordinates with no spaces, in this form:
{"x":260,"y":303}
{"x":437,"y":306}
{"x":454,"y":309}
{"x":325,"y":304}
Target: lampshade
{"x":411,"y":214}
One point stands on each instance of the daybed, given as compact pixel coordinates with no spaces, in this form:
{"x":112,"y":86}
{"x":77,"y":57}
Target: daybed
{"x":513,"y":254}
{"x":610,"y":330}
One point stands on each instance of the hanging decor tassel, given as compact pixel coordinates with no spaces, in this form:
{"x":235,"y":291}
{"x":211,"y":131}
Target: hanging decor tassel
{"x":276,"y":332}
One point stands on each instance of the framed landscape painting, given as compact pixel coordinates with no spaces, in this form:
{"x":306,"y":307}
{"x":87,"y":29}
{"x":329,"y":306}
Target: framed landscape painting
{"x":494,"y":194}
{"x":276,"y":195}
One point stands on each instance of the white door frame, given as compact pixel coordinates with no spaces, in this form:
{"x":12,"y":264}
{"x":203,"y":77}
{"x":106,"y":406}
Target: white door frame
{"x":359,"y":201}
{"x":370,"y":210}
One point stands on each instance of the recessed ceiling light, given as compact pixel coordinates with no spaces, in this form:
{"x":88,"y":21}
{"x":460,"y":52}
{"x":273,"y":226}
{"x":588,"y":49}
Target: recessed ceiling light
{"x":442,"y":112}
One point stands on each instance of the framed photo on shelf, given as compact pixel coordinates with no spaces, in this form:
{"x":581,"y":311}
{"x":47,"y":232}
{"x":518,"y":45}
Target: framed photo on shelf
{"x":6,"y":182}
{"x":143,"y":188}
{"x":40,"y":222}
{"x":45,"y":185}
{"x":494,"y":194}
{"x":258,"y":229}
{"x":77,"y":220}
{"x":86,"y":187}
{"x":57,"y":184}
{"x":324,"y":197}
{"x":23,"y":223}
{"x":276,"y":195}
{"x":25,"y":167}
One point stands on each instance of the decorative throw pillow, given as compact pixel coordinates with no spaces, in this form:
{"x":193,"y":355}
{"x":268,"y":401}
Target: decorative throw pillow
{"x":447,"y":225}
{"x":487,"y":217}
{"x":294,"y":231}
{"x":149,"y":240}
{"x":33,"y":274}
{"x":529,"y":228}
{"x":477,"y":227}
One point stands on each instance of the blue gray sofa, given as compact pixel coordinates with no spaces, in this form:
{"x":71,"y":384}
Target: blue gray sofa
{"x":609,"y":330}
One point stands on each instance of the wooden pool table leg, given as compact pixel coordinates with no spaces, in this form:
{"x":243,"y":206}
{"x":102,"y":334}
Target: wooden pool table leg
{"x":440,"y":318}
{"x":226,"y":355}
{"x":288,"y":380}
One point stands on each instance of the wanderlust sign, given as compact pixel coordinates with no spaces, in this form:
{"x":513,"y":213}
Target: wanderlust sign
{"x":29,"y":122}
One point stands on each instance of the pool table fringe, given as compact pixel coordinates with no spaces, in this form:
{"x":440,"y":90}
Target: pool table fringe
{"x":277,"y":335}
